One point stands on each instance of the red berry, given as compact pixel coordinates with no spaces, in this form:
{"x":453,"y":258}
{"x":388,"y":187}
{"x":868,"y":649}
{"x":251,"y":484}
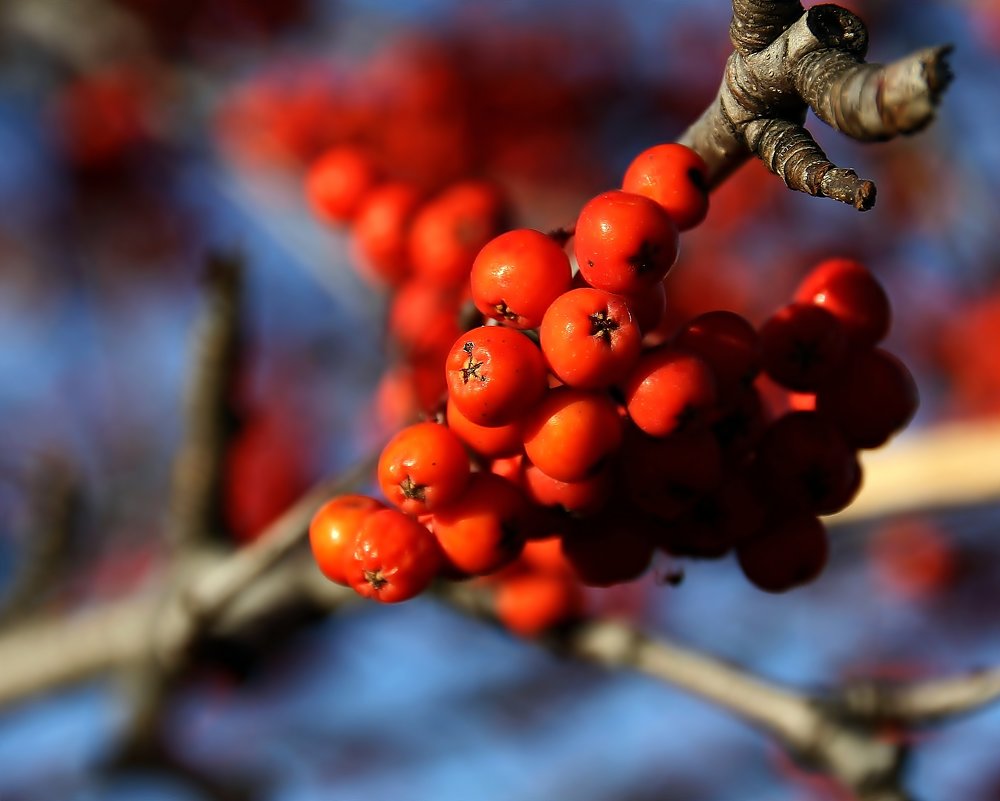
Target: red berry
{"x":665,"y":476}
{"x":517,"y":275}
{"x":393,"y":559}
{"x":450,"y":229}
{"x":571,"y":432}
{"x":612,"y":548}
{"x":785,"y":554}
{"x":669,"y":390}
{"x":624,"y":243}
{"x":804,"y":462}
{"x":423,"y":319}
{"x":589,"y":339}
{"x":849,"y":291}
{"x":490,"y":442}
{"x":873,"y":398}
{"x":717,"y":522}
{"x":495,"y":375}
{"x":727,"y":343}
{"x":338,"y":181}
{"x":381,"y":227}
{"x":584,"y":497}
{"x":485,"y":528}
{"x":803,"y":346}
{"x":675,"y":177}
{"x":334,"y":529}
{"x":423,"y":468}
{"x":532,"y":603}
{"x":546,"y":556}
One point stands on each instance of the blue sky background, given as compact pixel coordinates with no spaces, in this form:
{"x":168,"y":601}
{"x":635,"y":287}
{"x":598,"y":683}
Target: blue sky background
{"x":415,"y":702}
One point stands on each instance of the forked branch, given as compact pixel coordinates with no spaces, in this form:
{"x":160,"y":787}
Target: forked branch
{"x":787,"y":60}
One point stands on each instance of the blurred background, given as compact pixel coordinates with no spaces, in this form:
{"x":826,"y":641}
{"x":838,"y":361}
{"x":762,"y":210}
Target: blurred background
{"x":138,"y":135}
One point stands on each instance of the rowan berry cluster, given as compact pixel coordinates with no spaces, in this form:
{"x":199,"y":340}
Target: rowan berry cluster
{"x":573,"y":438}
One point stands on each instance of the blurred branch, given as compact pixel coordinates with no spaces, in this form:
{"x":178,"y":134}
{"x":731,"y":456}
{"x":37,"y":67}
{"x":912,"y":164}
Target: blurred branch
{"x":199,"y":468}
{"x":952,"y":465}
{"x":217,"y":587}
{"x":42,"y":655}
{"x":82,"y":33}
{"x":787,"y":60}
{"x":919,"y":703}
{"x":838,"y":733}
{"x":53,"y":499}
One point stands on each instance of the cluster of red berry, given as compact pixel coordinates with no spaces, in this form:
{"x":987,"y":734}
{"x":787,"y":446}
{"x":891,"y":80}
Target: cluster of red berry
{"x":577,"y":439}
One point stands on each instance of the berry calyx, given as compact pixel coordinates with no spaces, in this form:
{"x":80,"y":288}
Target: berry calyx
{"x":393,"y":557}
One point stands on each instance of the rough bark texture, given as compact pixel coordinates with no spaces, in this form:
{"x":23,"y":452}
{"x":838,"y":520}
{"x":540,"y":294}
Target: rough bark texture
{"x":787,"y":60}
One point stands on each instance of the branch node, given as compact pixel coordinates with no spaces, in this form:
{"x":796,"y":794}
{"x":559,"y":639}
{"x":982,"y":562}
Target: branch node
{"x":837,"y":27}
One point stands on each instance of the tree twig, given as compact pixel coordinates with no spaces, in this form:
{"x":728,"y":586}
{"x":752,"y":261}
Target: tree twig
{"x":786,"y":60}
{"x":957,"y":464}
{"x":53,"y":491}
{"x":195,"y":509}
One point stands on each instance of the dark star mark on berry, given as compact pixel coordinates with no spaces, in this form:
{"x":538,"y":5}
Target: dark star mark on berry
{"x":412,"y":490}
{"x":376,"y":579}
{"x":471,"y":370}
{"x":504,"y":311}
{"x":697,"y":178}
{"x":645,"y":259}
{"x":602,"y":326}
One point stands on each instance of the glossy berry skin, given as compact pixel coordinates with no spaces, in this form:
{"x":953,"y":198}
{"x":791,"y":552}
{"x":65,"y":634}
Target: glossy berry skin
{"x":532,"y":603}
{"x":849,"y":291}
{"x":786,"y":553}
{"x":546,"y":556}
{"x":803,"y":346}
{"x":585,"y":497}
{"x":490,"y":442}
{"x":423,"y":468}
{"x":675,"y":177}
{"x":729,"y":345}
{"x":333,"y":530}
{"x":517,"y":275}
{"x":381,"y":227}
{"x":669,"y":390}
{"x":484,"y":529}
{"x":872,"y":399}
{"x":624,"y":242}
{"x":570,"y":433}
{"x":338,"y":181}
{"x":393,"y":558}
{"x":451,"y":228}
{"x":495,"y":374}
{"x":589,"y":338}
